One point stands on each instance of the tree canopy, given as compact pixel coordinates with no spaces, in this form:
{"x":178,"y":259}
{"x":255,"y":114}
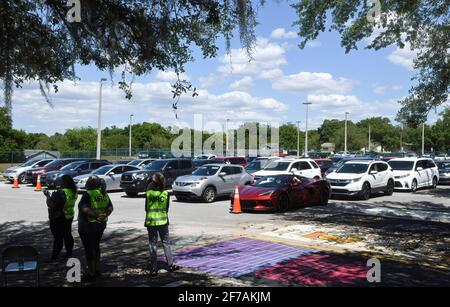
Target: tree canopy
{"x":423,"y":26}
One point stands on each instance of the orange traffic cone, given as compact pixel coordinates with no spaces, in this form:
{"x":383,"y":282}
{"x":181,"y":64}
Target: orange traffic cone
{"x":236,"y":202}
{"x":38,"y":184}
{"x":16,"y":183}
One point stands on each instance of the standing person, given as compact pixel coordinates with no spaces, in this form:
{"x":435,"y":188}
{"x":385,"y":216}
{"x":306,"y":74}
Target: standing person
{"x":61,"y":205}
{"x":157,"y":222}
{"x":94,"y":208}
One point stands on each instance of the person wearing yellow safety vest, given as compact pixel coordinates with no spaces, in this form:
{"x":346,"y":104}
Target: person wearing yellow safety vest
{"x":94,"y":208}
{"x":157,"y":222}
{"x":60,"y":206}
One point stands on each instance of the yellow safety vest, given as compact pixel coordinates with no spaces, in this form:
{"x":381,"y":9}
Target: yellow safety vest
{"x":156,"y":208}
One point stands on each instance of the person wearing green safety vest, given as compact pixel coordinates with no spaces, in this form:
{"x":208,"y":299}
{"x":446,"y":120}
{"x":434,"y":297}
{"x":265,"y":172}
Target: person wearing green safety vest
{"x":94,"y":208}
{"x":60,"y":206}
{"x":157,"y":222}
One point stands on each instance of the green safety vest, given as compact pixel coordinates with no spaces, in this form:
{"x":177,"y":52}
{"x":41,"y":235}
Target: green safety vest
{"x":71,"y":198}
{"x":156,"y":208}
{"x":99,"y":202}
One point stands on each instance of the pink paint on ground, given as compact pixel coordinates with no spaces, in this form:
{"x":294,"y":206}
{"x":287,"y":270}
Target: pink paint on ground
{"x":319,"y":269}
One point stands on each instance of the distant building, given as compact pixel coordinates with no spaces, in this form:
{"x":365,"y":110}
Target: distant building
{"x":35,"y":154}
{"x":328,"y":147}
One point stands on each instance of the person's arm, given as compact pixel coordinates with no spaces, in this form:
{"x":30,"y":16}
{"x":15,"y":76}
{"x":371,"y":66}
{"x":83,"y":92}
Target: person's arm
{"x":168,"y":203}
{"x":56,"y":200}
{"x":110,"y":208}
{"x":85,"y":206}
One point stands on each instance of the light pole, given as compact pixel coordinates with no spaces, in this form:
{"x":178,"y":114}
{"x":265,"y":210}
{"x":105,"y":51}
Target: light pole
{"x":129,"y":141}
{"x":226,"y":129}
{"x":345,"y":135}
{"x":423,"y":138}
{"x":99,"y":120}
{"x":298,"y":139}
{"x":369,"y":137}
{"x":306,"y":128}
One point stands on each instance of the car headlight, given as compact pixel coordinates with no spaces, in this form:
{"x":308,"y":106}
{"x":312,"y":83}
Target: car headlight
{"x":403,"y":176}
{"x":356,"y":179}
{"x":140,"y":176}
{"x":265,"y":193}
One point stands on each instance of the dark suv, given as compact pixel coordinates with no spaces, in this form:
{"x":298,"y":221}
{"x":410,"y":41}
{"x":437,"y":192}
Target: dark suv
{"x":52,"y":179}
{"x":137,"y":181}
{"x":31,"y":176}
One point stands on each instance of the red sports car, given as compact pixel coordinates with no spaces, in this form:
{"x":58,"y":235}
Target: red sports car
{"x":282,"y":192}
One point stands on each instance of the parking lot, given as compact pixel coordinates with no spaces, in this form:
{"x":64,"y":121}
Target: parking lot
{"x":409,"y":232}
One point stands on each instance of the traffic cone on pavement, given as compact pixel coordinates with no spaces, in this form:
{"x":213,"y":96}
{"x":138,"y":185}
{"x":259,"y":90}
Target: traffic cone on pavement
{"x":236,"y":202}
{"x":16,"y":183}
{"x":38,"y":184}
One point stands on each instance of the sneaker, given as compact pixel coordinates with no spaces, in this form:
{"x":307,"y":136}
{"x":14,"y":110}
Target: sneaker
{"x":173,"y":268}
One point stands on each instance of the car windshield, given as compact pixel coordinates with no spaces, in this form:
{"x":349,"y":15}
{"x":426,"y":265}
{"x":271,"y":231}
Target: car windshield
{"x":277,"y":166}
{"x":55,"y":163}
{"x":156,"y":165}
{"x":255,"y":165}
{"x":207,"y":170}
{"x":30,"y":163}
{"x":103,"y":170}
{"x":203,"y":157}
{"x":401,"y":165}
{"x":443,"y":165}
{"x":71,"y":166}
{"x":353,"y":168}
{"x":135,"y":162}
{"x":272,"y":181}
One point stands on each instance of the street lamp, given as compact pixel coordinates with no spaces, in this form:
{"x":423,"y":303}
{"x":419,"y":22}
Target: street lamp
{"x":369,"y":137}
{"x":345,"y":137}
{"x":423,"y":138}
{"x":306,"y":128}
{"x":226,"y":129}
{"x":129,"y":142}
{"x":99,"y":120}
{"x":298,"y":139}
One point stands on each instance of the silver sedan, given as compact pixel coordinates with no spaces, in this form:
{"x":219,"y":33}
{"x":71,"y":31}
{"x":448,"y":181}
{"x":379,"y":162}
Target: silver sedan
{"x":210,"y":181}
{"x":109,"y":173}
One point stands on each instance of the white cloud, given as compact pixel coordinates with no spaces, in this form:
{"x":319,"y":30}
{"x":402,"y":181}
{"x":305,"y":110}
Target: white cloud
{"x":76,"y":106}
{"x":281,"y":33}
{"x":379,"y":89}
{"x":244,"y":83}
{"x":265,"y":56}
{"x":404,"y":57}
{"x":270,"y":74}
{"x":170,"y":76}
{"x":313,"y":83}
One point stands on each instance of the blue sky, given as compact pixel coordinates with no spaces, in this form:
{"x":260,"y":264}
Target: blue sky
{"x":268,"y":89}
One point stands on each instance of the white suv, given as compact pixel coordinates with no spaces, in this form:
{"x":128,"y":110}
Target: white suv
{"x":362,"y":178}
{"x":302,"y":167}
{"x":413,"y":173}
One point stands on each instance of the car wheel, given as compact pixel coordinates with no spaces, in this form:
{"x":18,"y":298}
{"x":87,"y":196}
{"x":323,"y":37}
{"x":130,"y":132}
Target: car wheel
{"x":131,"y":194}
{"x":324,"y":197}
{"x":435,"y":182}
{"x":414,"y":185}
{"x":365,"y":192}
{"x":390,"y":188}
{"x":209,"y":194}
{"x":283,"y":203}
{"x":22,"y":179}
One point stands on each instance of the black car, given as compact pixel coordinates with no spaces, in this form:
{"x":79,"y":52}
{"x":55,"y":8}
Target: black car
{"x":137,"y":181}
{"x":444,"y":171}
{"x":199,"y":162}
{"x":52,"y":179}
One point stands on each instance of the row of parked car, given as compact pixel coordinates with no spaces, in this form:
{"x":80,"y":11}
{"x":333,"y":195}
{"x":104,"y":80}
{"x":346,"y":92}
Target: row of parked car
{"x":209,"y":177}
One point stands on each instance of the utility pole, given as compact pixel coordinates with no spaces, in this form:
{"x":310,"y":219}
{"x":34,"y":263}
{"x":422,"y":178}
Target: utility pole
{"x":306,"y":128}
{"x":369,"y":137}
{"x":298,"y":139}
{"x":423,"y":138}
{"x":129,"y":142}
{"x":99,"y":121}
{"x":227,"y":140}
{"x":345,"y":136}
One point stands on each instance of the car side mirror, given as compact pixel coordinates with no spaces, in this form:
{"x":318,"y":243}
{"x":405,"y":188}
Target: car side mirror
{"x":112,"y":173}
{"x":294,"y":170}
{"x":419,"y":169}
{"x":222,"y":174}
